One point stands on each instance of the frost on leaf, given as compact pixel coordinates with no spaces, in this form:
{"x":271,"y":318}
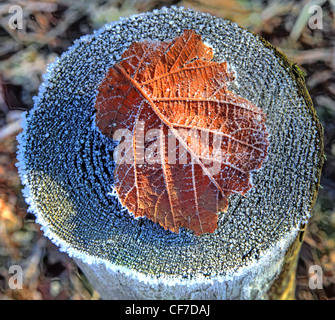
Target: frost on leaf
{"x":185,"y":141}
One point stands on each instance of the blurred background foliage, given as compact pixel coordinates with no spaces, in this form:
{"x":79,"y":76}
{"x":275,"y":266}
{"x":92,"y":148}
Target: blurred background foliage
{"x":50,"y":27}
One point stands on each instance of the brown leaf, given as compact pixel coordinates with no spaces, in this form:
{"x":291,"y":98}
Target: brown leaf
{"x":186,"y":142}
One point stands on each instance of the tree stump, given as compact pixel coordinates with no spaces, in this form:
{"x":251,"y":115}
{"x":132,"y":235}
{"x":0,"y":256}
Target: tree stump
{"x":66,"y":166}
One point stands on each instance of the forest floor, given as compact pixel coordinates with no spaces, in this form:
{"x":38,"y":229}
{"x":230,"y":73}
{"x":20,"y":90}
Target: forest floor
{"x":49,"y":29}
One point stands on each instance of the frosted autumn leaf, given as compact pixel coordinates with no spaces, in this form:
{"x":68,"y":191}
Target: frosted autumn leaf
{"x":169,"y":102}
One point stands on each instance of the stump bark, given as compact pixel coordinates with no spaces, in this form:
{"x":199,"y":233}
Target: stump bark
{"x":66,"y":166}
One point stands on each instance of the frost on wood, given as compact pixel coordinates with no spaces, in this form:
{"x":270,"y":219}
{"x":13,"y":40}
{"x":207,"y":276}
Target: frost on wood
{"x":67,"y":165}
{"x":175,"y":89}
